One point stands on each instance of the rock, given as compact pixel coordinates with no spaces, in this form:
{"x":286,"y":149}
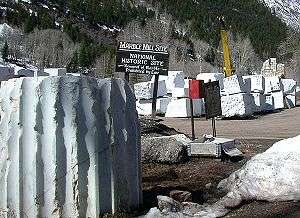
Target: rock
{"x":25,"y":72}
{"x":272,"y":84}
{"x":6,"y":73}
{"x":180,"y":93}
{"x":237,"y":105}
{"x":181,"y":196}
{"x":190,"y":208}
{"x":166,"y":204}
{"x":278,"y":100}
{"x":290,"y":101}
{"x":288,"y":86}
{"x":145,"y":108}
{"x":69,"y":146}
{"x":165,"y":149}
{"x":206,"y":77}
{"x":208,"y":185}
{"x":181,"y":108}
{"x":259,"y":101}
{"x":234,"y":85}
{"x":144,"y":90}
{"x":255,"y":83}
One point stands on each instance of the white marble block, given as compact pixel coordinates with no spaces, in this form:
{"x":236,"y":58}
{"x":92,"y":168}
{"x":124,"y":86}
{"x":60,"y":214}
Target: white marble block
{"x":206,"y":77}
{"x":145,"y":108}
{"x":278,"y":100}
{"x":56,"y":71}
{"x":175,"y":79}
{"x":237,"y":105}
{"x":288,"y":86}
{"x":234,"y":85}
{"x":69,"y":147}
{"x":291,"y":100}
{"x":269,"y":103}
{"x":272,"y":84}
{"x":144,"y":90}
{"x":180,"y":92}
{"x":255,"y":83}
{"x":181,"y":108}
{"x":259,"y":101}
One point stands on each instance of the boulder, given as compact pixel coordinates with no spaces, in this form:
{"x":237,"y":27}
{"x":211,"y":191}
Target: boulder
{"x":288,"y":86}
{"x":6,"y":73}
{"x":234,"y":85}
{"x":237,"y":105}
{"x":278,"y":100}
{"x":144,"y":90}
{"x":272,"y":84}
{"x":255,"y":83}
{"x":145,"y":107}
{"x":259,"y":101}
{"x":56,"y":71}
{"x":167,"y":204}
{"x":165,"y":149}
{"x":181,"y":108}
{"x":206,"y":77}
{"x":25,"y":73}
{"x":180,"y":93}
{"x":181,"y":196}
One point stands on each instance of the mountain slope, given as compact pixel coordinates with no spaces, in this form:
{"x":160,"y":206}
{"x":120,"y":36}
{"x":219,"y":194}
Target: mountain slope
{"x":287,"y":10}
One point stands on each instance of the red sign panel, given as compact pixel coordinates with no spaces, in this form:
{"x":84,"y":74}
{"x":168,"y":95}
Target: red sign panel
{"x":196,"y":89}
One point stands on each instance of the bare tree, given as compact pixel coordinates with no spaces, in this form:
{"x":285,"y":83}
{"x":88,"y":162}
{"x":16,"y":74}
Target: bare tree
{"x":49,"y":48}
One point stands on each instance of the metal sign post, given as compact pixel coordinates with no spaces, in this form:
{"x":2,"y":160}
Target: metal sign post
{"x":143,"y":58}
{"x":212,"y":103}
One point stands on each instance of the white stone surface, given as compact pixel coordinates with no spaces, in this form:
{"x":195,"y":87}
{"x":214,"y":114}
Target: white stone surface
{"x":237,"y":105}
{"x":180,"y":93}
{"x":145,"y":108}
{"x":291,"y":100}
{"x":288,"y":86}
{"x":206,"y":77}
{"x":278,"y":100}
{"x":272,"y":84}
{"x":269,"y":103}
{"x":175,"y":79}
{"x":255,"y":83}
{"x":234,"y":85}
{"x":56,"y":71}
{"x":181,"y":108}
{"x":259,"y":101}
{"x":69,"y":147}
{"x":144,"y":90}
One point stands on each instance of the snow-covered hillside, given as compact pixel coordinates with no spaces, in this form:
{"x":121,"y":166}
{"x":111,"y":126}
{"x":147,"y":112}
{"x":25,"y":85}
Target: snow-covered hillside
{"x":287,"y":10}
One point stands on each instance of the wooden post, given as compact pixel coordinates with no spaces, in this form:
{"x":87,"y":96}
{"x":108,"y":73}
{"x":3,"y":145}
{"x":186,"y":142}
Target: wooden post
{"x":127,"y":77}
{"x":192,"y":119}
{"x":154,"y":98}
{"x":214,"y":127}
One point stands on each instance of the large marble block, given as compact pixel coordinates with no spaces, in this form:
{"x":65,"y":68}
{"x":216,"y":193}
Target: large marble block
{"x":278,"y":100}
{"x":180,"y":93}
{"x":181,"y":108}
{"x":272,"y":84}
{"x":234,"y":85}
{"x":145,"y":108}
{"x":269,"y":103}
{"x":290,"y":101}
{"x":237,"y":105}
{"x":175,"y":79}
{"x":288,"y":86}
{"x":255,"y":83}
{"x":144,"y":90}
{"x":259,"y":101}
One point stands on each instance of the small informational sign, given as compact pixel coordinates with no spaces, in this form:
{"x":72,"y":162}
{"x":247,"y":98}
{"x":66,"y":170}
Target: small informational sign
{"x":212,"y":99}
{"x":142,"y":58}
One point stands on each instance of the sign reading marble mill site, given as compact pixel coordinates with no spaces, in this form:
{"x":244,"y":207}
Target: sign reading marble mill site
{"x":142,"y":58}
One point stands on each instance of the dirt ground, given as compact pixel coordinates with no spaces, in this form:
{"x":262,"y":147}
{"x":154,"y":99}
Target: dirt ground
{"x":200,"y":176}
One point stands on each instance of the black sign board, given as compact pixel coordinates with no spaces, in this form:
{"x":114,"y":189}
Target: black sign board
{"x":212,"y":99}
{"x":142,"y":58}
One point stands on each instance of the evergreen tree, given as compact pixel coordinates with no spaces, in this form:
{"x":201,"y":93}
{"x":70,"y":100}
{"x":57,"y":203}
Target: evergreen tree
{"x":5,"y":52}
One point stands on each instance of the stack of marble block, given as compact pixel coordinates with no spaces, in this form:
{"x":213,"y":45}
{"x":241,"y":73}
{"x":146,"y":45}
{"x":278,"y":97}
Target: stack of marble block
{"x":173,"y":101}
